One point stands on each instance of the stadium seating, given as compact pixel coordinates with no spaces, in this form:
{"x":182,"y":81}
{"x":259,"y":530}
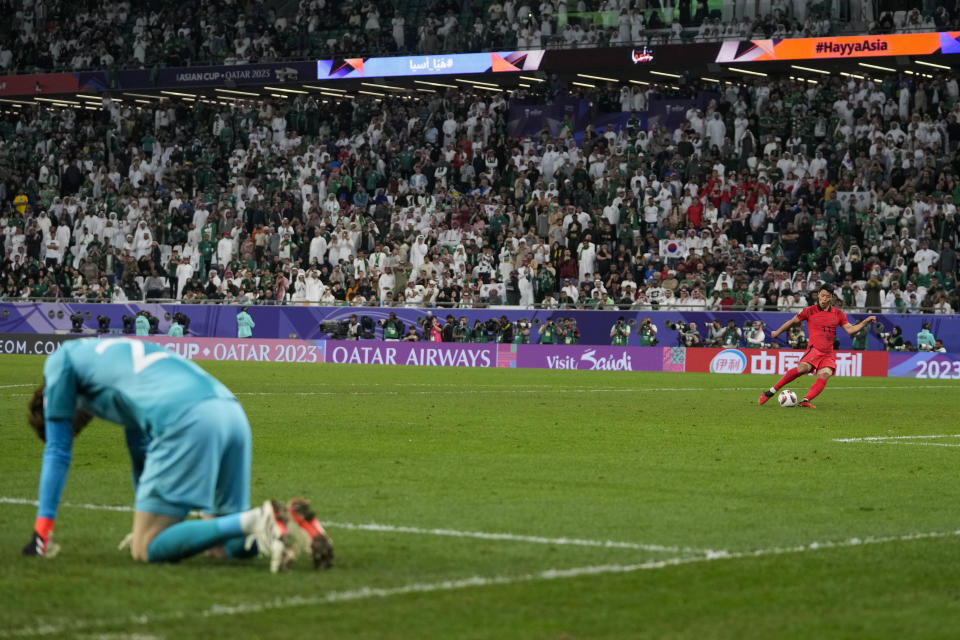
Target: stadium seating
{"x":874,"y":178}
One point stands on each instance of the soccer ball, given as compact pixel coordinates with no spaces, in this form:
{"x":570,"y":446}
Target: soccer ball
{"x":788,"y":398}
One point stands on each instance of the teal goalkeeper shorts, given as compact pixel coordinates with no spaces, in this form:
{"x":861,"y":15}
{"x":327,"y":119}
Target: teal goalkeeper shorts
{"x":203,"y":462}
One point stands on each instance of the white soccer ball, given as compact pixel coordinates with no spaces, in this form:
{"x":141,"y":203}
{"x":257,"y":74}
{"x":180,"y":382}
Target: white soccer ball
{"x":788,"y":398}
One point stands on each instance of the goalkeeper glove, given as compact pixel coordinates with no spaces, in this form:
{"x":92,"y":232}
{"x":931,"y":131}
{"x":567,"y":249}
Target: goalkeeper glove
{"x":40,"y":544}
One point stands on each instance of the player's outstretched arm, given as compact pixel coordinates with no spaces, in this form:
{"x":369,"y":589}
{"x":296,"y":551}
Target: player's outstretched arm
{"x":786,"y":325}
{"x":57,"y":455}
{"x":854,"y":328}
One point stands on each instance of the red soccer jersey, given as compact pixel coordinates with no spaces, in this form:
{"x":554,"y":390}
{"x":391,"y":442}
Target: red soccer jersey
{"x":822,"y":325}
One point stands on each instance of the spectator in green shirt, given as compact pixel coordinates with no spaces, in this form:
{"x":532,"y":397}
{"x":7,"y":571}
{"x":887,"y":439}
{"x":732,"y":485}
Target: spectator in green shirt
{"x":620,"y":333}
{"x":548,"y":334}
{"x":391,"y":328}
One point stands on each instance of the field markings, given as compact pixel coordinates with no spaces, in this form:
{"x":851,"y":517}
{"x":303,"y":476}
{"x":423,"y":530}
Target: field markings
{"x":367,"y":593}
{"x":453,"y":533}
{"x":512,"y":537}
{"x":527,"y":389}
{"x":559,"y":389}
{"x":904,"y":440}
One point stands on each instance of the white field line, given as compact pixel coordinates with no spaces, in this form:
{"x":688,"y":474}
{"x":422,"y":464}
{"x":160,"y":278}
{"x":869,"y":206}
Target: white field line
{"x":366,"y":593}
{"x":885,"y":438}
{"x":452,"y":533}
{"x":473,"y":390}
{"x":559,"y":389}
{"x":903,"y":440}
{"x":511,"y":537}
{"x":16,"y":386}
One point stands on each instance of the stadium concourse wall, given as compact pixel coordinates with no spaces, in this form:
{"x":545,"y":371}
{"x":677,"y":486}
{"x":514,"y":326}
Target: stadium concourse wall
{"x":770,"y":362}
{"x":306,"y":322}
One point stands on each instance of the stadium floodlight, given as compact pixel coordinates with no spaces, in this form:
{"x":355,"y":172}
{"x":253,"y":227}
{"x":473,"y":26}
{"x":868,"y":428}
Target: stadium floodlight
{"x":810,"y":69}
{"x":144,"y":95}
{"x":748,"y":72}
{"x":436,"y":84}
{"x":233,"y":91}
{"x":590,"y":77}
{"x":181,"y":94}
{"x":372,"y":93}
{"x":852,"y":75}
{"x":522,"y":84}
{"x":710,"y":79}
{"x":286,"y":90}
{"x":310,"y":86}
{"x":272,"y":95}
{"x":382,"y":86}
{"x":84,"y":96}
{"x":58,"y":100}
{"x":877,"y":67}
{"x":646,"y":84}
{"x":426,"y":90}
{"x":668,"y":75}
{"x":531,"y":79}
{"x":476,"y":82}
{"x":584,"y":84}
{"x":932,"y":64}
{"x":480,"y":86}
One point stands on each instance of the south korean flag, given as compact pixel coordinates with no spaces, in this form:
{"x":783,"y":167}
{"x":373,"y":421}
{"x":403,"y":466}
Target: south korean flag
{"x":673,"y":248}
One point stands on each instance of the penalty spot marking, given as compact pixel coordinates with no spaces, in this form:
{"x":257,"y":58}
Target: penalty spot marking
{"x":451,"y":533}
{"x":367,"y":593}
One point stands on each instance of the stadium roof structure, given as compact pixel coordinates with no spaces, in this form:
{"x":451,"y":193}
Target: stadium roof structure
{"x":803,"y":59}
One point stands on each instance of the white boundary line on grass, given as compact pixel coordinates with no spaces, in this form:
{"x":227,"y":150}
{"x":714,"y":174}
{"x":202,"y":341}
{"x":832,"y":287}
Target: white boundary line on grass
{"x":366,"y":593}
{"x":530,"y":389}
{"x":903,"y":440}
{"x":562,"y":389}
{"x":452,"y":533}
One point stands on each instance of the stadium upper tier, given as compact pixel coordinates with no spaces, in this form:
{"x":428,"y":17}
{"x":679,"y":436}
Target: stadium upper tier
{"x":75,"y":35}
{"x":744,"y":193}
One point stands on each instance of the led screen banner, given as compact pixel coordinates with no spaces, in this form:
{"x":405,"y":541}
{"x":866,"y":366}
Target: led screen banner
{"x":925,"y":365}
{"x":899,"y":44}
{"x":429,"y":65}
{"x":778,"y":361}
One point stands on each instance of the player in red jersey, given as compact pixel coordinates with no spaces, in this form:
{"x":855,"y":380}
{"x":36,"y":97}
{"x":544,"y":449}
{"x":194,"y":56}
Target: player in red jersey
{"x":822,"y":322}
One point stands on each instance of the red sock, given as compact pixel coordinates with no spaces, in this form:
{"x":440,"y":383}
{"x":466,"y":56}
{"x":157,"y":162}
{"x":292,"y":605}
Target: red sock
{"x":788,"y":377}
{"x":816,"y":388}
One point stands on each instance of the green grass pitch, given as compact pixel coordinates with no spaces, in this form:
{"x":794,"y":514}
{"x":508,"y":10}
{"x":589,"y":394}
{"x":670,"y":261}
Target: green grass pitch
{"x":624,"y":506}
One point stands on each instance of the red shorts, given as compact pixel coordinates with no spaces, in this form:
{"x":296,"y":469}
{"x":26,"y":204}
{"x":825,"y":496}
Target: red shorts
{"x":820,"y":359}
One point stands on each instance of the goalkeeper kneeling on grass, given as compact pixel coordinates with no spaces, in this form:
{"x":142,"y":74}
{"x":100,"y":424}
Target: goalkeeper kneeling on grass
{"x":190,"y":446}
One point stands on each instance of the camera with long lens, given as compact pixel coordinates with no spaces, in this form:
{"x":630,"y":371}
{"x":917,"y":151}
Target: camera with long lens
{"x":103,"y":324}
{"x":183,"y":321}
{"x":677,"y":326}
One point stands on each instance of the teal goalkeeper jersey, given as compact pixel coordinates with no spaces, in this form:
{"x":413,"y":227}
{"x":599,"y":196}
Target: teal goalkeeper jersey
{"x":138,"y":385}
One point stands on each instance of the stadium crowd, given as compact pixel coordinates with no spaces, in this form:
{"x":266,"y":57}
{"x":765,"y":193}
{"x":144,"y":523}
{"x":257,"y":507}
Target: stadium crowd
{"x":751,"y":202}
{"x":45,"y":35}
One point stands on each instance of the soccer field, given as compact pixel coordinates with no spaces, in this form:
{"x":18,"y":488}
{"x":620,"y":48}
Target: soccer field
{"x":505,"y":503}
